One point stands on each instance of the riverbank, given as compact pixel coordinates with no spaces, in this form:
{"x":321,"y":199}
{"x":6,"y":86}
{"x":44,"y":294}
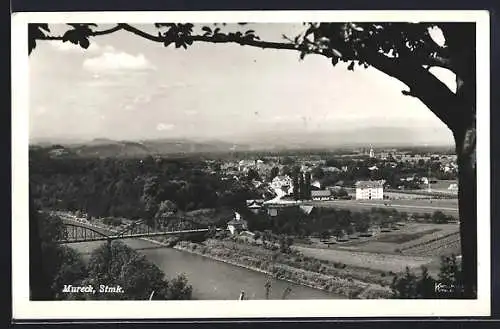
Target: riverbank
{"x":192,"y":250}
{"x":293,"y":268}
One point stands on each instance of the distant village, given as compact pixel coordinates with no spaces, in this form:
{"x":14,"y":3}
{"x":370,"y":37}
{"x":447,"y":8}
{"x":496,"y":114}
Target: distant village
{"x":301,"y":180}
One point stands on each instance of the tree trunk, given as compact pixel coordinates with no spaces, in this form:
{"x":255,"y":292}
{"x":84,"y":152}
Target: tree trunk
{"x":465,"y":140}
{"x":39,"y":284}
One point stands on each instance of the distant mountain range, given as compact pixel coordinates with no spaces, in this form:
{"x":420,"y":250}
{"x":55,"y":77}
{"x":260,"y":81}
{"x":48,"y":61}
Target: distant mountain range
{"x":271,"y":140}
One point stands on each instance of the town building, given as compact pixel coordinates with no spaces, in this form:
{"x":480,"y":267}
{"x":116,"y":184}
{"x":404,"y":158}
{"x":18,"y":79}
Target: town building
{"x":321,"y":195}
{"x":283,"y":183}
{"x":273,"y":212}
{"x":306,"y":209}
{"x":331,"y":169}
{"x":453,"y":188}
{"x":255,"y":206}
{"x":372,"y":153}
{"x":237,"y":224}
{"x":316,"y":184}
{"x":370,"y":190}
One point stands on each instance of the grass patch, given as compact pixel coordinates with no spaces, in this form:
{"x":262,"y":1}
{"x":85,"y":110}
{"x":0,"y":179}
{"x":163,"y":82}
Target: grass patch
{"x":405,"y":237}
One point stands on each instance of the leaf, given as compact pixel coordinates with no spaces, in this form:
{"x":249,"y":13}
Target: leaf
{"x":84,"y":43}
{"x":206,"y":28}
{"x":351,"y":66}
{"x":335,"y":60}
{"x":66,"y":36}
{"x":216,"y":30}
{"x":250,"y":32}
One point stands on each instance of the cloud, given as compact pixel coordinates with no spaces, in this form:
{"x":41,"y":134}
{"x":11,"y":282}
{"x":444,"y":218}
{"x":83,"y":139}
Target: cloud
{"x":190,"y":112}
{"x":142,"y":99}
{"x":113,"y":61}
{"x":163,"y":126}
{"x":70,"y":47}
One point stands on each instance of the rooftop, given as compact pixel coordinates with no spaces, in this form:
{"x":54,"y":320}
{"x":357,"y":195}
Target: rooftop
{"x":236,"y":222}
{"x":281,"y":178}
{"x":370,"y":184}
{"x":321,"y":193}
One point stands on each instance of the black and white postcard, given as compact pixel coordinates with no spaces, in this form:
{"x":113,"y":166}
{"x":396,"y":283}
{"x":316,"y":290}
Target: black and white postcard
{"x":250,"y":164}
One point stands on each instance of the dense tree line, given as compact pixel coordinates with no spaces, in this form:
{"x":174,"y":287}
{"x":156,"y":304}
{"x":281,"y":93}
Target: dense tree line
{"x":114,"y":264}
{"x":293,"y":221}
{"x":326,"y":222}
{"x":131,"y":188}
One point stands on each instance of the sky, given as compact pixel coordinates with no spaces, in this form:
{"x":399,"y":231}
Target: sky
{"x":125,"y":87}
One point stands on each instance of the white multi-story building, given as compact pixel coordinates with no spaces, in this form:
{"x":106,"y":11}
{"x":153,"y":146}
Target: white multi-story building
{"x":370,"y":190}
{"x":283,"y":183}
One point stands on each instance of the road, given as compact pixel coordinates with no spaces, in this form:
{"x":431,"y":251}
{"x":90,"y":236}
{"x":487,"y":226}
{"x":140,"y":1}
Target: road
{"x":447,"y":206}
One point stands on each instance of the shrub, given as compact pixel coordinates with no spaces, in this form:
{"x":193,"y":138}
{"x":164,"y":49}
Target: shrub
{"x":409,"y":285}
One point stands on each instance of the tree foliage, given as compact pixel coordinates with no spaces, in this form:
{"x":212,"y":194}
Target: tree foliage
{"x":115,"y":187}
{"x":119,"y":264}
{"x":112,"y":265}
{"x":62,"y":265}
{"x":448,"y":284}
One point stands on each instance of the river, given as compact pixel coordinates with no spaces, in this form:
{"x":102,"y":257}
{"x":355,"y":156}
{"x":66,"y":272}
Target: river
{"x":211,"y":279}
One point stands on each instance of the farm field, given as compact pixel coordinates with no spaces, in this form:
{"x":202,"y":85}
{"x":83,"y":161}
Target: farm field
{"x":446,"y":245}
{"x":413,"y":246}
{"x":406,"y":240}
{"x":376,"y":261}
{"x":447,"y":206}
